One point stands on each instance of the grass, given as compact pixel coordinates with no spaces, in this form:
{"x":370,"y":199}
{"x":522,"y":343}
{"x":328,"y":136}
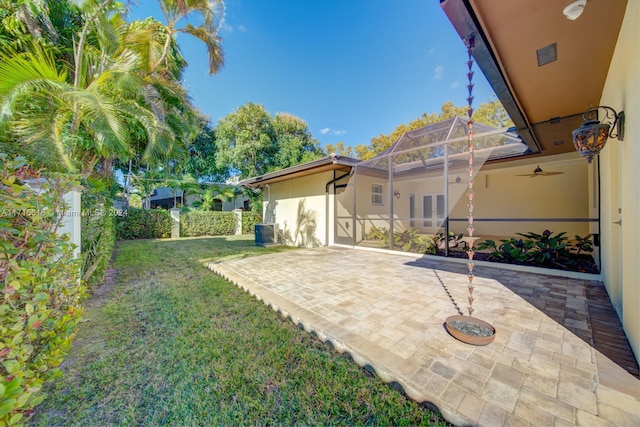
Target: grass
{"x":171,"y":343}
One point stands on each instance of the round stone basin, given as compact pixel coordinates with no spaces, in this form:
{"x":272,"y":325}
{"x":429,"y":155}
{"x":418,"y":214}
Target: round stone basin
{"x":470,"y":330}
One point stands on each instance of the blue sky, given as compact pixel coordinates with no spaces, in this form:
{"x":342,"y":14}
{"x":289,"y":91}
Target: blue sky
{"x":352,"y":69}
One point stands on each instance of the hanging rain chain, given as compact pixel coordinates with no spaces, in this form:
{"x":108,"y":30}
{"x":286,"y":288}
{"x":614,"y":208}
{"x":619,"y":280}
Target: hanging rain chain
{"x":470,"y":42}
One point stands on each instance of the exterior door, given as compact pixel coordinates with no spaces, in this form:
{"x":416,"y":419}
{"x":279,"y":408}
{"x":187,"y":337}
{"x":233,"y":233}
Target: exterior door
{"x":433,"y":210}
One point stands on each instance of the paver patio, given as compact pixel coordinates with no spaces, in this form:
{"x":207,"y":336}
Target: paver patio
{"x":548,"y":365}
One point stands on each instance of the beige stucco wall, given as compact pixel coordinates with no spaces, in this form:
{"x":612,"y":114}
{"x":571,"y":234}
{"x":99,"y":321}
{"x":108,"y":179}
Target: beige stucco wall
{"x":500,"y":193}
{"x":299,"y":207}
{"x":620,"y":180}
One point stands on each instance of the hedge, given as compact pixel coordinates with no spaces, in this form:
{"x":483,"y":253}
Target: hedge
{"x":98,"y":235}
{"x":207,"y":223}
{"x":249,"y":220}
{"x":42,"y":292}
{"x":143,"y":224}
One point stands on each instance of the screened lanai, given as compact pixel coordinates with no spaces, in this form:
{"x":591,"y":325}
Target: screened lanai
{"x":419,"y":187}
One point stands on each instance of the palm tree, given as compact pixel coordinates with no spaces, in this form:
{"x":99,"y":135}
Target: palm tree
{"x":113,"y":101}
{"x":211,"y":12}
{"x":215,"y":193}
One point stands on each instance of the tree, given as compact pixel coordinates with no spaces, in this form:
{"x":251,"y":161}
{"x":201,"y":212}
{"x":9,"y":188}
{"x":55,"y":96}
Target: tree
{"x":251,"y":142}
{"x":209,"y":12}
{"x":295,"y":143}
{"x":213,"y":194}
{"x":118,"y":96}
{"x":201,"y":161}
{"x":340,"y":149}
{"x":245,"y":140}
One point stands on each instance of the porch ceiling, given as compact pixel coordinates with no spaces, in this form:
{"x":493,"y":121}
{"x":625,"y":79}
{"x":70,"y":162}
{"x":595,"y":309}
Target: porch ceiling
{"x":545,"y":102}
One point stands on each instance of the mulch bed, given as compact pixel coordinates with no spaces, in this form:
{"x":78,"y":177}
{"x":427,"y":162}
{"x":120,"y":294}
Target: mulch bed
{"x":581,"y":263}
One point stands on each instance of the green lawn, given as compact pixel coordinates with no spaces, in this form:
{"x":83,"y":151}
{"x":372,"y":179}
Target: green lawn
{"x":171,"y":343}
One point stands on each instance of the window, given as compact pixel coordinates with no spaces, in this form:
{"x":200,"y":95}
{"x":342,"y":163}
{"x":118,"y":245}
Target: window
{"x":376,"y":194}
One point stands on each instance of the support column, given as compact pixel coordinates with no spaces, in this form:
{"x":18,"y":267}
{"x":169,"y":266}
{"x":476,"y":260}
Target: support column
{"x":175,"y":223}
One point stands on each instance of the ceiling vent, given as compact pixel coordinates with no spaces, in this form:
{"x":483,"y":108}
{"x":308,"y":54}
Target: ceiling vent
{"x":547,"y":54}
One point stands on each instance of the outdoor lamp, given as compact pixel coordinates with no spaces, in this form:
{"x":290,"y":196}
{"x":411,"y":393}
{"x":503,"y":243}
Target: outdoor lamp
{"x":397,"y":194}
{"x":591,"y":137}
{"x":574,"y":10}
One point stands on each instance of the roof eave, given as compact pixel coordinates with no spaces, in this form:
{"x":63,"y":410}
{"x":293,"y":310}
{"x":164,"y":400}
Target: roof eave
{"x":465,"y":22}
{"x":314,"y":166}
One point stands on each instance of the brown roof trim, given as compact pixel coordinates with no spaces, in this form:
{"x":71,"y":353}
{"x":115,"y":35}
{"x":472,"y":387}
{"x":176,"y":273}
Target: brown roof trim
{"x":466,"y":23}
{"x":331,"y":162}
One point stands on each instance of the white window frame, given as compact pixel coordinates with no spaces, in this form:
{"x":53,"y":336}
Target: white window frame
{"x":377,"y":197}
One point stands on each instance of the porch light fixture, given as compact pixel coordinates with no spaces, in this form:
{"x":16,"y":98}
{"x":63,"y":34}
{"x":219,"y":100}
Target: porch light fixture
{"x":591,"y":137}
{"x":396,"y":194}
{"x":574,"y":10}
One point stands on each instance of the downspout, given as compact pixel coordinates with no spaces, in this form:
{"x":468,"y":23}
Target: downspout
{"x":266,"y":209}
{"x":326,"y":190}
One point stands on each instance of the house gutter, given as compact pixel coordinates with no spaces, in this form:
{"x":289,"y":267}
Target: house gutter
{"x":326,"y":190}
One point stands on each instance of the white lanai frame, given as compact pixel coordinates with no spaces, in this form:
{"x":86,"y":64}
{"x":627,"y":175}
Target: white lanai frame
{"x":416,"y":163}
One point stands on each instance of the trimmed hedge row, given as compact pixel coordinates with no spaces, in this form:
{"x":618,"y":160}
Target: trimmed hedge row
{"x":98,"y":236}
{"x":207,"y":223}
{"x":143,"y":224}
{"x":249,"y":220}
{"x":156,"y":223}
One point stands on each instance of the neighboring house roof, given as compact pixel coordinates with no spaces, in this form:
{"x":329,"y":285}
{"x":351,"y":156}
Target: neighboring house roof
{"x":331,"y":162}
{"x":545,"y":101}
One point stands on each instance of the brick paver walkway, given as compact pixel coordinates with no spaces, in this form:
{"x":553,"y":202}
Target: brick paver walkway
{"x":543,"y":369}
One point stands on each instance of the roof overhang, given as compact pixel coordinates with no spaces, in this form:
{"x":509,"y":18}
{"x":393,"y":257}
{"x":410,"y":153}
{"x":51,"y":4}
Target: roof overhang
{"x":331,"y":162}
{"x":545,"y":101}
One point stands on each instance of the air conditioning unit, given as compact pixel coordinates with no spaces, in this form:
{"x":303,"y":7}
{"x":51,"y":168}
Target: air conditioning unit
{"x":266,"y":234}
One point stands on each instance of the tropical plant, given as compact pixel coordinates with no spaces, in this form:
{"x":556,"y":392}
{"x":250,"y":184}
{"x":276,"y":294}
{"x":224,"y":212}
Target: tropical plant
{"x":547,"y":248}
{"x":582,"y":244}
{"x":376,"y":233}
{"x":214,"y":194}
{"x":453,"y":240}
{"x":511,"y":250}
{"x":211,"y":15}
{"x":119,"y":96}
{"x":411,"y":240}
{"x":42,"y":290}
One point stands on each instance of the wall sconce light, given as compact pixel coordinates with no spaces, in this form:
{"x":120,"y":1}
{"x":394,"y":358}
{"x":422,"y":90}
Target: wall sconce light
{"x":591,"y":137}
{"x":396,"y":193}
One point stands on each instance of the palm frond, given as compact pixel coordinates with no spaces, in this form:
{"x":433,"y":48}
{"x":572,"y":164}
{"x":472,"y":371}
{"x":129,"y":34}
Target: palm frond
{"x":213,"y":43}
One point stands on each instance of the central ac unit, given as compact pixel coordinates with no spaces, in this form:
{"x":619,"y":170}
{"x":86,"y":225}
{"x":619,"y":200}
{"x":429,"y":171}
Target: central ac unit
{"x":266,"y":234}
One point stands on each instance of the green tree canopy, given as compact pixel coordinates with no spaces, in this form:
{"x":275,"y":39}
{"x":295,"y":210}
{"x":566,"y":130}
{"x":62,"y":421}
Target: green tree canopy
{"x":341,"y":149}
{"x":81,"y":87}
{"x":252,"y":142}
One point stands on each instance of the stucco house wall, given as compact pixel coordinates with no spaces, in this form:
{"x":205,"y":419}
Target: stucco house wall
{"x":501,"y":193}
{"x":620,"y":180}
{"x":300,"y":208}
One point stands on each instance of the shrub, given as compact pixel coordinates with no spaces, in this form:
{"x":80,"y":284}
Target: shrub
{"x":98,"y":234}
{"x":547,"y":248}
{"x":41,"y":290}
{"x":511,"y":250}
{"x":409,"y":240}
{"x":249,"y":221}
{"x":143,"y":224}
{"x":207,"y":223}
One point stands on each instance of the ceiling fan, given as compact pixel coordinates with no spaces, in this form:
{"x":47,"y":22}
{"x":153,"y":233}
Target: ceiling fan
{"x":539,"y":172}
